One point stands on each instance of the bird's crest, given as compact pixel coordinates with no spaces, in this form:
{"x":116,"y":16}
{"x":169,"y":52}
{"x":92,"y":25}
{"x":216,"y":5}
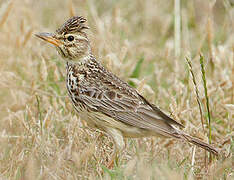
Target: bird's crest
{"x":74,"y":24}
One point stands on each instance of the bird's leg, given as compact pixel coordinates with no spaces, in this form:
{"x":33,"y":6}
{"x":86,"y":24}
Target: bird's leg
{"x":118,"y":145}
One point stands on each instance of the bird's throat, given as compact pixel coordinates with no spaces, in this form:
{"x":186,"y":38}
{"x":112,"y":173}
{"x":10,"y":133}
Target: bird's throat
{"x":78,"y":61}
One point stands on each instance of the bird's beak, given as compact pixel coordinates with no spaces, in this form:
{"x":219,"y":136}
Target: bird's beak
{"x":49,"y":37}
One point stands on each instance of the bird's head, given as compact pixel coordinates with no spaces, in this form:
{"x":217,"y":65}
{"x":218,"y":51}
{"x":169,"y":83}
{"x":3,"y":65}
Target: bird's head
{"x":70,"y":39}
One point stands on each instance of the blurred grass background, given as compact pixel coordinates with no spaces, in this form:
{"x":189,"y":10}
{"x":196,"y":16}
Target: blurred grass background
{"x":41,"y":136}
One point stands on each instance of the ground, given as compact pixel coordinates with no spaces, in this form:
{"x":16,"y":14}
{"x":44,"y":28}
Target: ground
{"x":41,"y":135}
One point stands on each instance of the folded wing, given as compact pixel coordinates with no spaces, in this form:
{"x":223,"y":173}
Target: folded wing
{"x":137,"y":112}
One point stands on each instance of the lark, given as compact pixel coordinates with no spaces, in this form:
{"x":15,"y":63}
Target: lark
{"x":104,"y":100}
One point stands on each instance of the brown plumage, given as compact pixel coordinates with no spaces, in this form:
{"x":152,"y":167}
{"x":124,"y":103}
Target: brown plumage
{"x":105,"y":101}
{"x":74,"y":24}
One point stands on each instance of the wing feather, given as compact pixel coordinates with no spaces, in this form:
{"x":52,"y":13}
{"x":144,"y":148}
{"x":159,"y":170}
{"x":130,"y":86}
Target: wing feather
{"x":133,"y":112}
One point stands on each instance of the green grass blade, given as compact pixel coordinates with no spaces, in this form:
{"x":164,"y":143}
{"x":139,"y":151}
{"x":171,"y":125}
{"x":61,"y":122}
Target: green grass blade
{"x":207,"y":98}
{"x":136,"y":71}
{"x":196,"y":90}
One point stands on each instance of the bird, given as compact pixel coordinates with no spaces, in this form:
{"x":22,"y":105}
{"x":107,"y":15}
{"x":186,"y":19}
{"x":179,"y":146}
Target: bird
{"x":105,"y":101}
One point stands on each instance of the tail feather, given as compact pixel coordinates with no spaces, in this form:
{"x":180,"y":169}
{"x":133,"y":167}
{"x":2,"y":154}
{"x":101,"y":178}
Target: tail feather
{"x":199,"y":143}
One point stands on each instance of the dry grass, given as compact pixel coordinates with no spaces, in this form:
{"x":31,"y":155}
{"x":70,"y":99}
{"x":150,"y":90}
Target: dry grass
{"x":41,"y":136}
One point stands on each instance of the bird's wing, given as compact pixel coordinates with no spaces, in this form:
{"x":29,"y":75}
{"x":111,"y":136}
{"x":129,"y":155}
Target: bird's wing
{"x":136,"y":112}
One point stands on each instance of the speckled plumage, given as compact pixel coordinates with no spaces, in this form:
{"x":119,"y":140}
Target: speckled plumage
{"x":105,"y":101}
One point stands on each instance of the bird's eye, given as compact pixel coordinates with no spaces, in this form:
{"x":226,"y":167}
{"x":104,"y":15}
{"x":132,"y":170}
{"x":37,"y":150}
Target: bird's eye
{"x":70,"y":38}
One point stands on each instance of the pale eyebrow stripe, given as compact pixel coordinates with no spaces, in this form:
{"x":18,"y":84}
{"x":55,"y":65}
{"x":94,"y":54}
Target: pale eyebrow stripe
{"x":81,"y":37}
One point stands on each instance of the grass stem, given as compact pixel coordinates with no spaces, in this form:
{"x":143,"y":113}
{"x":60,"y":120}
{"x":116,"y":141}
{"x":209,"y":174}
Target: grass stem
{"x":207,"y":98}
{"x":197,"y":92}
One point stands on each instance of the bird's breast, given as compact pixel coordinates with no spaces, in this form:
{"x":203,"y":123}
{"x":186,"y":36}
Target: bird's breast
{"x":72,"y":82}
{"x":73,"y":87}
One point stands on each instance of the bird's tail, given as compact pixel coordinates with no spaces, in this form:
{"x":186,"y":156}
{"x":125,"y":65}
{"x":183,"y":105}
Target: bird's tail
{"x":197,"y":142}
